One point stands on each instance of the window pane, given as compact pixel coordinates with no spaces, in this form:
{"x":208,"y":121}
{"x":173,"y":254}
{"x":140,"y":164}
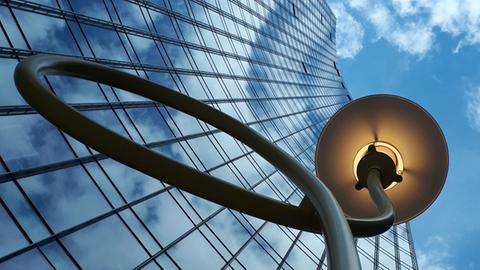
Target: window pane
{"x":65,"y":197}
{"x":57,"y":256}
{"x":105,"y":245}
{"x":164,"y":218}
{"x":30,"y":260}
{"x":229,"y":230}
{"x":255,"y":257}
{"x":30,"y":140}
{"x":9,"y":94}
{"x":200,"y":254}
{"x":23,"y":211}
{"x":299,"y":260}
{"x":10,"y":235}
{"x":132,"y":183}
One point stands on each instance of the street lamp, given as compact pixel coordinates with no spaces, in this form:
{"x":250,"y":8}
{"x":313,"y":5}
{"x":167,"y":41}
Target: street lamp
{"x":389,"y":135}
{"x":319,"y":211}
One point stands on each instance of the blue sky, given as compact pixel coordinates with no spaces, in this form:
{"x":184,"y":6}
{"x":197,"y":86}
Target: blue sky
{"x":426,"y":51}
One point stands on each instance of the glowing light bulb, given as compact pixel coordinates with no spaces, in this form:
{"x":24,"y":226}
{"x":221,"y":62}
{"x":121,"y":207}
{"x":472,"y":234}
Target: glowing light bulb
{"x":385,"y":148}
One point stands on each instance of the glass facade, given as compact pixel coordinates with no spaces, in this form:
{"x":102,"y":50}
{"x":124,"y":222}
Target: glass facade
{"x":270,"y":64}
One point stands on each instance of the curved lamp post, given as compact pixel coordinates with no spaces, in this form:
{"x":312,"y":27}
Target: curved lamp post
{"x":319,"y":211}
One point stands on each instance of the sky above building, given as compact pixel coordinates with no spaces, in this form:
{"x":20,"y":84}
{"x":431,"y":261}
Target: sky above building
{"x":428,"y":52}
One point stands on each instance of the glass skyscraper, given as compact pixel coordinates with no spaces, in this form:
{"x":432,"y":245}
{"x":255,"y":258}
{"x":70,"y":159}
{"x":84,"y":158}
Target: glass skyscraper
{"x":270,"y":64}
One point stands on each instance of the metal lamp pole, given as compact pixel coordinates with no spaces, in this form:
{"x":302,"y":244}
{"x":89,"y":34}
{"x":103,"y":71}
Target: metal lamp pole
{"x":326,"y":217}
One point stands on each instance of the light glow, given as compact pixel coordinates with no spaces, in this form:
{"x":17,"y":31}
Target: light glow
{"x":385,"y":148}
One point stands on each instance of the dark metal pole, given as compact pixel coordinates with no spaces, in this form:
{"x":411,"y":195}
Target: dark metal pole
{"x":380,"y":199}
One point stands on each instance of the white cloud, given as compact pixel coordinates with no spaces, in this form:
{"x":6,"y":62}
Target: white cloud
{"x":473,"y":108}
{"x":410,"y":25}
{"x":436,"y":256}
{"x":410,"y":36}
{"x":404,"y":7}
{"x":379,"y":16}
{"x":413,"y":38}
{"x":349,"y":32}
{"x":358,"y":3}
{"x":447,"y":15}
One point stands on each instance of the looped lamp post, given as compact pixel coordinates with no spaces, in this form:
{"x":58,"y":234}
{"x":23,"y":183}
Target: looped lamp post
{"x":366,"y":149}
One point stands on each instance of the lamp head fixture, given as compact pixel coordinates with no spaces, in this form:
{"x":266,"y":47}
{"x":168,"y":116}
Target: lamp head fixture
{"x":382,"y":147}
{"x":393,"y":135}
{"x":374,"y":159}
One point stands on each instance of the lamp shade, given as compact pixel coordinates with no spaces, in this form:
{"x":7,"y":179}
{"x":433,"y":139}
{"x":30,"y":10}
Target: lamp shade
{"x":411,"y":137}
